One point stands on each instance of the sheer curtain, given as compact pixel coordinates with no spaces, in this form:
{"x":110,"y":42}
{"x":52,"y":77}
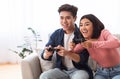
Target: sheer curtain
{"x":16,"y":16}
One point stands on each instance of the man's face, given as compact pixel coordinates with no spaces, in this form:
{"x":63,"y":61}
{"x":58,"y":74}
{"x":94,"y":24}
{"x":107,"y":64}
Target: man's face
{"x":67,"y":20}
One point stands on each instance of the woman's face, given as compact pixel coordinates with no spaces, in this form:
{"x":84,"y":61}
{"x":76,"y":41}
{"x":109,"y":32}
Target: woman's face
{"x":86,"y":28}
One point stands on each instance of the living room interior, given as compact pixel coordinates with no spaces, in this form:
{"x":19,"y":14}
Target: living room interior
{"x":27,"y":24}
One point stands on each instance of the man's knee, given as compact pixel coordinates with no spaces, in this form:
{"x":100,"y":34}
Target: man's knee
{"x":81,"y":74}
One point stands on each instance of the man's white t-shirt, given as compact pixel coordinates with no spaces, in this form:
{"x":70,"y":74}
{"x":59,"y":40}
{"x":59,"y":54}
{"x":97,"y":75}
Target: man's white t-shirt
{"x":67,"y":39}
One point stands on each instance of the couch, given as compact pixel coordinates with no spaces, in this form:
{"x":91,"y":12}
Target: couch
{"x":32,"y":66}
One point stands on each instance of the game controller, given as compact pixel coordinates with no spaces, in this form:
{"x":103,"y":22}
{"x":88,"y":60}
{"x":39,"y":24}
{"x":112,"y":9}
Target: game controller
{"x":52,"y":49}
{"x":76,"y":41}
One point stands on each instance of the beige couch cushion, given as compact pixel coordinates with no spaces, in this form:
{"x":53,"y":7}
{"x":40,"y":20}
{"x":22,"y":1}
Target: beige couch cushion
{"x":46,"y":65}
{"x":92,"y":64}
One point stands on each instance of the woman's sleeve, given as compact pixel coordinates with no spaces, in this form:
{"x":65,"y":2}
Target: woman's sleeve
{"x":108,"y":41}
{"x":78,"y":48}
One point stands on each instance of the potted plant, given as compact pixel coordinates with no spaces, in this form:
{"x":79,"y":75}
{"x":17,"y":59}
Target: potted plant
{"x":27,"y":48}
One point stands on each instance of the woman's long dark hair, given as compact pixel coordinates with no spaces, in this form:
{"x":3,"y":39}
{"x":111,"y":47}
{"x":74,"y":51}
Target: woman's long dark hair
{"x":98,"y":26}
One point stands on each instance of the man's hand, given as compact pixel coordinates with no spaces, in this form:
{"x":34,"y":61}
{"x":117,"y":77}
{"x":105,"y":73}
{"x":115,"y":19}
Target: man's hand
{"x":47,"y":53}
{"x":62,"y":51}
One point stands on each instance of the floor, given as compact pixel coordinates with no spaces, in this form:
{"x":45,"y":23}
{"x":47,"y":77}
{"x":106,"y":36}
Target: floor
{"x":10,"y":71}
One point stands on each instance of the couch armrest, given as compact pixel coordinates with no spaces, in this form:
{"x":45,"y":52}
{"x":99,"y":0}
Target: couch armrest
{"x":30,"y":67}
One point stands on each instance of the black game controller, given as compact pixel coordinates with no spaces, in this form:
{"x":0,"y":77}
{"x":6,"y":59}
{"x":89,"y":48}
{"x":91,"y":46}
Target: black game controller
{"x":76,"y":41}
{"x":52,"y":49}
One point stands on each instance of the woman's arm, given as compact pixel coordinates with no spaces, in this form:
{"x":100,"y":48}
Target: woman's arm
{"x":106,"y":40}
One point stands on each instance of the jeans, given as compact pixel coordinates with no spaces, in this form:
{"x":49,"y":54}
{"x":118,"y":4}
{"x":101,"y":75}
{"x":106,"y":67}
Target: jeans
{"x":62,"y":74}
{"x":108,"y":73}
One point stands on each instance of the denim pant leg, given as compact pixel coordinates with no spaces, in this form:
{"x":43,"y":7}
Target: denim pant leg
{"x":79,"y":74}
{"x":108,"y":73}
{"x":116,"y":77}
{"x":54,"y":74}
{"x":99,"y":77}
{"x":116,"y":71}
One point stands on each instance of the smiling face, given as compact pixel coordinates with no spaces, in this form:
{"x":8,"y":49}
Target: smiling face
{"x":67,"y":21}
{"x":86,"y":28}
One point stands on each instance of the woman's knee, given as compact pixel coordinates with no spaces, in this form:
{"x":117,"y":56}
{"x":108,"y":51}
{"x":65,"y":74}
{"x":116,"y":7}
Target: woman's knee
{"x":116,"y":77}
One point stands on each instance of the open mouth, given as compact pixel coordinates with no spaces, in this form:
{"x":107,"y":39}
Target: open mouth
{"x":84,"y":31}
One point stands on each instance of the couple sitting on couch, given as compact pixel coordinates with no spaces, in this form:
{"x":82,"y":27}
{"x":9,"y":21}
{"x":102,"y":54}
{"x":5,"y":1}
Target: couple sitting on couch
{"x":72,"y":56}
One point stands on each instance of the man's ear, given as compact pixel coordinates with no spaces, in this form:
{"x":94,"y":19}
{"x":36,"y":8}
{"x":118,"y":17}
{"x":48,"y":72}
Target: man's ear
{"x":75,"y":18}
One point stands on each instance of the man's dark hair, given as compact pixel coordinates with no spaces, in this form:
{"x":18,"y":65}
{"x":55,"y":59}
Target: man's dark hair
{"x":68,"y":7}
{"x":98,"y":26}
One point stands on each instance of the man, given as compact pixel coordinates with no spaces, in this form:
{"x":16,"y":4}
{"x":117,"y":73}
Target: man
{"x":68,"y":65}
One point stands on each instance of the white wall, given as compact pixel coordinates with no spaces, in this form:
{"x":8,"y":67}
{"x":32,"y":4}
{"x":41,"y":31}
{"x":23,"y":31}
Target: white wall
{"x":17,"y":15}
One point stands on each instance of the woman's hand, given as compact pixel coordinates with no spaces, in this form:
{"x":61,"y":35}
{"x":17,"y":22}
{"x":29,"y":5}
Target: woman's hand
{"x":88,"y":43}
{"x":71,"y":45}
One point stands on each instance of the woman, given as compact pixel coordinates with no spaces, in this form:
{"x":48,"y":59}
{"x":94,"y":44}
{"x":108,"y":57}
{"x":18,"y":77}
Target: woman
{"x":102,"y":46}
